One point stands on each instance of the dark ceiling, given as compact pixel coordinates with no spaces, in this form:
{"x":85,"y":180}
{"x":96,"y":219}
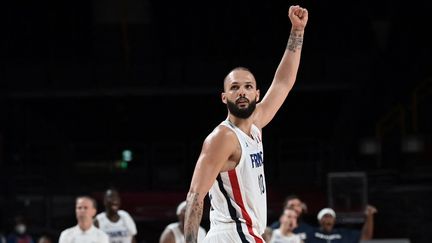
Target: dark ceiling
{"x":110,"y":72}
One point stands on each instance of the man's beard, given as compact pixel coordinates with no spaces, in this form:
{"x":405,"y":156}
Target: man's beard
{"x":241,"y":112}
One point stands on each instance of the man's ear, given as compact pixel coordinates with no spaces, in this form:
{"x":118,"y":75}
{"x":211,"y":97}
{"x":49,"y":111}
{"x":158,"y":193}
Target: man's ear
{"x":223,"y":98}
{"x":258,"y":96}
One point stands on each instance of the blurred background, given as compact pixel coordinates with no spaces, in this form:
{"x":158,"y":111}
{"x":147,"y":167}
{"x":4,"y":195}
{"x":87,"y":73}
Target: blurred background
{"x":122,"y":93}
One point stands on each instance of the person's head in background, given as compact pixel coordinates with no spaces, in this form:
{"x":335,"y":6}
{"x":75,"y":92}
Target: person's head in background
{"x":326,"y":219}
{"x":112,"y":201}
{"x":45,"y":239}
{"x":293,"y":201}
{"x":288,"y":220}
{"x":20,"y":225}
{"x":180,"y":212}
{"x":85,"y":210}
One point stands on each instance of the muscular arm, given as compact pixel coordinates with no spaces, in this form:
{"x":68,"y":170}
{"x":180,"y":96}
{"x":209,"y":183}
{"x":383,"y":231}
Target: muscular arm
{"x":215,"y":157}
{"x":286,"y":72}
{"x":193,"y":216}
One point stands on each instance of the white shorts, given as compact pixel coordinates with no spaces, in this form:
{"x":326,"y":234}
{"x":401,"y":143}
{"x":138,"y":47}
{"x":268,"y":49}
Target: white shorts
{"x":228,"y":233}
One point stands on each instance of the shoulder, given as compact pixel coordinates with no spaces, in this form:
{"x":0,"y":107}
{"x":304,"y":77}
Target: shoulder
{"x":221,"y":132}
{"x":123,"y":213}
{"x":221,"y":138}
{"x":223,"y":129}
{"x":276,"y":231}
{"x":68,"y":231}
{"x":100,"y":215}
{"x":172,"y":225}
{"x":168,"y":234}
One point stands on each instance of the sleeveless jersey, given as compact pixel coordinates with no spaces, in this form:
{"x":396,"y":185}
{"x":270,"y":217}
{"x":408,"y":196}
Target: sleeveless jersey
{"x":239,"y":196}
{"x":178,"y":235}
{"x":120,"y":231}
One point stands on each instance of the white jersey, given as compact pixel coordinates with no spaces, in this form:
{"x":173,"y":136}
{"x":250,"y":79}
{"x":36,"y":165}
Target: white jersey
{"x":76,"y":235}
{"x":121,"y":231}
{"x":239,"y":196}
{"x":178,"y":235}
{"x":278,"y":237}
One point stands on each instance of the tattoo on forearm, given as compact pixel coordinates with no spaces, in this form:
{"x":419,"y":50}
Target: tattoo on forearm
{"x":295,"y":41}
{"x":194,"y":209}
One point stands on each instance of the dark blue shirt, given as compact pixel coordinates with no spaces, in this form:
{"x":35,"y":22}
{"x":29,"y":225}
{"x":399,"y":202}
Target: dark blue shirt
{"x":337,"y":235}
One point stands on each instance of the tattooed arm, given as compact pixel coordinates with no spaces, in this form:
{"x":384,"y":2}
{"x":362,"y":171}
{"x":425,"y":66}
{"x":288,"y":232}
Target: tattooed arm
{"x":193,"y":216}
{"x":216,"y":156}
{"x":286,"y":72}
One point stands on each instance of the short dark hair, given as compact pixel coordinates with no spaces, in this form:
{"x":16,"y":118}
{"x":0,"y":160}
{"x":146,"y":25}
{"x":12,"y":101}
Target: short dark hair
{"x":112,"y":191}
{"x":235,"y":69}
{"x":289,"y":198}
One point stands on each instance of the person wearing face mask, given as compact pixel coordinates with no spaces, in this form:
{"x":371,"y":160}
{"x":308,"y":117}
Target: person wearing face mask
{"x":20,"y":234}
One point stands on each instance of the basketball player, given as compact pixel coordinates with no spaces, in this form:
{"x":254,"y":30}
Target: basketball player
{"x":174,"y":232}
{"x":230,"y":166}
{"x":117,"y":223}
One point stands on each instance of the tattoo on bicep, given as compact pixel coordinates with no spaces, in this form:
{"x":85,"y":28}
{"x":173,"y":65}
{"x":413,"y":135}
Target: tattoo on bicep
{"x":295,"y":41}
{"x":194,"y":209}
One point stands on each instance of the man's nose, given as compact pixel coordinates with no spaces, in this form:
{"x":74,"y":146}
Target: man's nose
{"x":242,"y":92}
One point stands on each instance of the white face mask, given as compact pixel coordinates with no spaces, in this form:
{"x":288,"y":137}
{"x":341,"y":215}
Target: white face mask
{"x":20,"y":228}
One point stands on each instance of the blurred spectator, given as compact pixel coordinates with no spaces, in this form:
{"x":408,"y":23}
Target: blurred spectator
{"x":19,"y":235}
{"x":268,"y":232}
{"x":303,"y":229}
{"x":2,"y":238}
{"x":285,"y":234}
{"x":327,"y":233}
{"x":118,"y":224}
{"x":84,"y":231}
{"x":45,"y":239}
{"x":174,"y":232}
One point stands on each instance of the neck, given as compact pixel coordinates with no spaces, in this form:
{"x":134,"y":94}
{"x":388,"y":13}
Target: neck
{"x":113,"y":216}
{"x":84,"y":225}
{"x":244,"y":124}
{"x":285,"y":231}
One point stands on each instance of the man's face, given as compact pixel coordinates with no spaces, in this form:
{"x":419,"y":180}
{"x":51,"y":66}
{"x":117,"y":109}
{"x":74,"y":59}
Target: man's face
{"x":240,"y":93}
{"x":327,"y":222}
{"x":84,"y":209}
{"x":288,"y":219}
{"x":112,"y":203}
